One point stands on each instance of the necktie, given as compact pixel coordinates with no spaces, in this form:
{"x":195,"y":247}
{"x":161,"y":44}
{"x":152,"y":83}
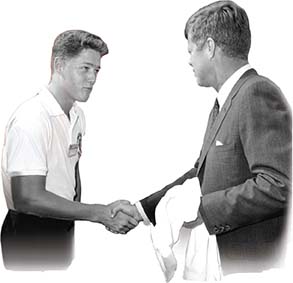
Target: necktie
{"x":215,"y":111}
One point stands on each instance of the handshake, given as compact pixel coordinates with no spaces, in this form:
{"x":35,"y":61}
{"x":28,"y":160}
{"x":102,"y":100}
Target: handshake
{"x":120,"y":217}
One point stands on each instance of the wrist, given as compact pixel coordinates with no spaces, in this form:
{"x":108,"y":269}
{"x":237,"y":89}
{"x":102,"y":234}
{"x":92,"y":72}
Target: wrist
{"x":138,"y":216}
{"x":98,"y":213}
{"x":141,"y":213}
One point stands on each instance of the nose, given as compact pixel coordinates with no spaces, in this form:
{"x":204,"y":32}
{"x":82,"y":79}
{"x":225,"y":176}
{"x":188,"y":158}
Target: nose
{"x":92,"y":75}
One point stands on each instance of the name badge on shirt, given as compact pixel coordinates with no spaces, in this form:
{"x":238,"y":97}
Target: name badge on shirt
{"x":75,"y":148}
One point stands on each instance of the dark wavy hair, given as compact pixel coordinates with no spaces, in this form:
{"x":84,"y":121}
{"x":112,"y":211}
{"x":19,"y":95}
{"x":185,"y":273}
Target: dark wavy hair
{"x":226,"y":23}
{"x":70,"y":43}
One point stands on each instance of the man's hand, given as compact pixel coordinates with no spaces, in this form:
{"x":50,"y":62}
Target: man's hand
{"x":127,"y":208}
{"x":120,"y":223}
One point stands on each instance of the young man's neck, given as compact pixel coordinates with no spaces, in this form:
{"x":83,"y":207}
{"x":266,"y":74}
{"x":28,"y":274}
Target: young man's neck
{"x":60,"y":97}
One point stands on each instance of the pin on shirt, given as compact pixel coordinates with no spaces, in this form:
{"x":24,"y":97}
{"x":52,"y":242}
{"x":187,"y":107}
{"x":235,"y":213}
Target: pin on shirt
{"x":76,"y":148}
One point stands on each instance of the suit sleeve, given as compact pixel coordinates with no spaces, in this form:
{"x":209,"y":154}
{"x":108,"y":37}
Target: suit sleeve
{"x":265,"y":134}
{"x":150,"y":203}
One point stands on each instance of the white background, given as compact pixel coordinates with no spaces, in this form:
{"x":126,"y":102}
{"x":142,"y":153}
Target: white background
{"x":145,"y":118}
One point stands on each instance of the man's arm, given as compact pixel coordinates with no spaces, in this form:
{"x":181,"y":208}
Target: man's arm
{"x":150,"y":203}
{"x":31,"y":197}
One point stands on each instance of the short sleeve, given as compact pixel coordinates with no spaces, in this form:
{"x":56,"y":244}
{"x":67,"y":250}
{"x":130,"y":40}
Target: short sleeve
{"x":27,"y":143}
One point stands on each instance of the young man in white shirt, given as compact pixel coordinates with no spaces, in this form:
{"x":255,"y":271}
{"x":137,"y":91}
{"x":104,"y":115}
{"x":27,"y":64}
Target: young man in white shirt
{"x":40,"y":162}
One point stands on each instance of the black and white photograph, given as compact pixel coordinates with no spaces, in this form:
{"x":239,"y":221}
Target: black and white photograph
{"x":146,"y":141}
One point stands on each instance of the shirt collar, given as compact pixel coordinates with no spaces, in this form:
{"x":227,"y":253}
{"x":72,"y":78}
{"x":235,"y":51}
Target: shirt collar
{"x":50,"y":103}
{"x":229,"y":84}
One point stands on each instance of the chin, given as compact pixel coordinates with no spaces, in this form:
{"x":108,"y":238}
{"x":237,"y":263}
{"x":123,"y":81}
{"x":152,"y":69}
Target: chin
{"x":84,"y":96}
{"x":202,"y":83}
{"x":85,"y":99}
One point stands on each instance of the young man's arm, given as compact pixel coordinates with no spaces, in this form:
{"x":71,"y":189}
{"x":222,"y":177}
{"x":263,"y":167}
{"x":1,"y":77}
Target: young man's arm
{"x":30,"y":196}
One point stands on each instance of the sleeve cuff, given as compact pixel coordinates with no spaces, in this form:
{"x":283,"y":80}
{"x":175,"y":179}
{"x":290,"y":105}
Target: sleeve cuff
{"x":27,"y":173}
{"x":204,"y":218}
{"x":140,"y":209}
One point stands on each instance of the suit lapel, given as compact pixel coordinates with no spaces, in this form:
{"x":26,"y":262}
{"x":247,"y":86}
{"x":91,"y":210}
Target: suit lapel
{"x":211,"y":133}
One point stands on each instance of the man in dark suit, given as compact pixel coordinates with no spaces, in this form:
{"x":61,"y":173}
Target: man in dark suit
{"x":244,"y":167}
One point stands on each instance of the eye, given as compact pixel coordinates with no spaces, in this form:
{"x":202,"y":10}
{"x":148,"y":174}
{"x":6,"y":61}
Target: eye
{"x":84,"y":68}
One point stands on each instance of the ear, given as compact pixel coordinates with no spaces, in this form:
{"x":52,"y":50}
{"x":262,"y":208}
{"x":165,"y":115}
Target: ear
{"x":58,"y":64}
{"x":211,"y":47}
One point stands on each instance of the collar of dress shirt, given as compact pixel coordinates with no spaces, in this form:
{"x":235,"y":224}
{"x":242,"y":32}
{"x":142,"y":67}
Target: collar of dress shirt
{"x":229,"y":83}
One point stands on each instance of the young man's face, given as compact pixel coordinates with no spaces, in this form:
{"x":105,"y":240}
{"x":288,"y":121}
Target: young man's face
{"x":200,"y":63}
{"x":79,"y":74}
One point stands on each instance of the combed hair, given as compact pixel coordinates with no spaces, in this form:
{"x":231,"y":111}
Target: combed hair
{"x":226,"y":23}
{"x":70,"y":43}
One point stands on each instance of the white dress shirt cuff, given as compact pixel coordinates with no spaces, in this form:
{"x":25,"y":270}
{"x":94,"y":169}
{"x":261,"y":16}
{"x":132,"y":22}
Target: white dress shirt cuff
{"x":140,"y":209}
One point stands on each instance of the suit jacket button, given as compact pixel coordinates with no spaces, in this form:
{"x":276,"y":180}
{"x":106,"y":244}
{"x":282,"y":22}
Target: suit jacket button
{"x":216,"y":229}
{"x":221,"y":229}
{"x":227,"y":227}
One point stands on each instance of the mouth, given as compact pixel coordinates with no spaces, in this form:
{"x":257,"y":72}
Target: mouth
{"x":88,"y":88}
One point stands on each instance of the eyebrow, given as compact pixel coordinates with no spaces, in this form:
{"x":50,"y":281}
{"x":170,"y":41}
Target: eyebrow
{"x":92,"y":65}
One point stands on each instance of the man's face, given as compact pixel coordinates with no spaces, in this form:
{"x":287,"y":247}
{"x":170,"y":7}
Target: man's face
{"x":79,"y":75}
{"x":200,"y":63}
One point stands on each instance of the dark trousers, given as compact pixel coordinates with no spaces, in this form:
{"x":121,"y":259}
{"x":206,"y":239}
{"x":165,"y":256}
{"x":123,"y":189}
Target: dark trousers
{"x":35,"y":243}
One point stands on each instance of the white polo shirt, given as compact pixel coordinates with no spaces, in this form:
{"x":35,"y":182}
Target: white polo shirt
{"x":41,"y":140}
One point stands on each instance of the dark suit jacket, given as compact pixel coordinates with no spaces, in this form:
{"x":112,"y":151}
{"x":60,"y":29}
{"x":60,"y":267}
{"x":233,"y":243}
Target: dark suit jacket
{"x":245,"y":183}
